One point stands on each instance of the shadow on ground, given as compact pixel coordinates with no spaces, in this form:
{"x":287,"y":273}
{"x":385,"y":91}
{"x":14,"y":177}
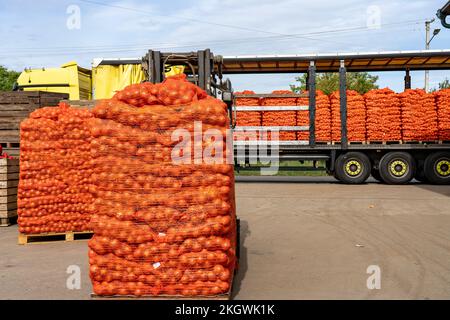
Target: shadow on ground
{"x":243,"y":266}
{"x":442,"y":190}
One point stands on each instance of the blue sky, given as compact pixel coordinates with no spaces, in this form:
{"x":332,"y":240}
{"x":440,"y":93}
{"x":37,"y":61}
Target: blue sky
{"x":35,"y":33}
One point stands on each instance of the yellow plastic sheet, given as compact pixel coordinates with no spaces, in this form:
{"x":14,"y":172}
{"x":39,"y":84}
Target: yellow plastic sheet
{"x":107,"y":79}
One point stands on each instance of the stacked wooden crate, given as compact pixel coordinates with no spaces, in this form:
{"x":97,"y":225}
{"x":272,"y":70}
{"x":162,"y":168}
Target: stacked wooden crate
{"x":9,"y":179}
{"x":16,"y":106}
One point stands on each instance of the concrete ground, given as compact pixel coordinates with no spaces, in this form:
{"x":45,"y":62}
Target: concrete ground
{"x":308,"y":239}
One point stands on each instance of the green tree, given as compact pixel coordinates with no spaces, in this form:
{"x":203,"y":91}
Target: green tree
{"x":329,"y":82}
{"x":7,"y":78}
{"x":444,"y":84}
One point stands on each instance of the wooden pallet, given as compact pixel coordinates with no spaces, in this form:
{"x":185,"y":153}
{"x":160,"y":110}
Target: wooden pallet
{"x":420,"y":142}
{"x":384,"y":142}
{"x":226,"y":296}
{"x":10,"y":145}
{"x":349,"y":142}
{"x":8,"y":221}
{"x":54,"y":236}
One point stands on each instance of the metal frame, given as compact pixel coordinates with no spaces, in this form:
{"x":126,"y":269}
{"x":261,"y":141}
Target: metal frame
{"x":312,"y":102}
{"x":199,"y":66}
{"x":343,"y":103}
{"x":443,"y":13}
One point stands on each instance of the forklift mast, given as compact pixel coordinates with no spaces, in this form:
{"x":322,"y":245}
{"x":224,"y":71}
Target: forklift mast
{"x":201,"y":67}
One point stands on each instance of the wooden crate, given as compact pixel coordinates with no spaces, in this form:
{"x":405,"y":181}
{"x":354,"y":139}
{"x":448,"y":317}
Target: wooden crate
{"x":54,"y":236}
{"x":15,"y":106}
{"x":9,"y":179}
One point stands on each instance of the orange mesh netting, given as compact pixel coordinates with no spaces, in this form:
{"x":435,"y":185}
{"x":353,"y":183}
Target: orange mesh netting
{"x":55,"y":166}
{"x":323,"y":117}
{"x":247,"y":118}
{"x":443,"y":113}
{"x":356,"y":117}
{"x":419,"y":116}
{"x":280,"y":118}
{"x":161,"y":227}
{"x":383,"y":115}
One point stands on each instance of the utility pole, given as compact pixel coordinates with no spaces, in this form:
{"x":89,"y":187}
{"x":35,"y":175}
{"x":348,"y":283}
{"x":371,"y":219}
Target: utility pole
{"x":427,"y":47}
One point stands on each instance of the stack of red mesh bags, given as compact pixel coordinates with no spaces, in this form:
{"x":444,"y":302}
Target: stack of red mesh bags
{"x":419,"y":116}
{"x":383,"y":115}
{"x":55,"y":166}
{"x":443,"y":113}
{"x":165,"y":219}
{"x":280,"y":118}
{"x":323,"y":117}
{"x":247,"y":118}
{"x":356,"y":117}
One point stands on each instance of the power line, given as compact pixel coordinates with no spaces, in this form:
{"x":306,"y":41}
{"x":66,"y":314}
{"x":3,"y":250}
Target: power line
{"x":143,"y":12}
{"x":144,"y":47}
{"x":114,"y":48}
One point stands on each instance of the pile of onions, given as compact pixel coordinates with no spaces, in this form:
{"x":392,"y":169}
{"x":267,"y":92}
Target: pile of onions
{"x":55,"y":169}
{"x":160,"y":227}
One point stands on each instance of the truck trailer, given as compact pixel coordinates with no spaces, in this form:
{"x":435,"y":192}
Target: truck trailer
{"x":392,"y":162}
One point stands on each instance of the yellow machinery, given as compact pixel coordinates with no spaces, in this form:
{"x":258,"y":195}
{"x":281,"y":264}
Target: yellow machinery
{"x":69,"y":78}
{"x":107,"y":78}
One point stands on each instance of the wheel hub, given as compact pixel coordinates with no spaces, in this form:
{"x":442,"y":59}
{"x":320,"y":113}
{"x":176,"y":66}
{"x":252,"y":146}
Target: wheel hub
{"x":353,"y":168}
{"x":398,"y":168}
{"x":443,"y":168}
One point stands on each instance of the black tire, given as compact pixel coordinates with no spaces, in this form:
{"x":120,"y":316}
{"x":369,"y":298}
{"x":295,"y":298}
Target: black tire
{"x":397,"y":167}
{"x":376,"y":175}
{"x":437,"y":168}
{"x":352,"y":168}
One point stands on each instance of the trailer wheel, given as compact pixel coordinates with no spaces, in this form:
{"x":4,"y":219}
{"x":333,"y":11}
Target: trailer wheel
{"x":352,"y":167}
{"x":397,"y":167}
{"x":437,"y":168}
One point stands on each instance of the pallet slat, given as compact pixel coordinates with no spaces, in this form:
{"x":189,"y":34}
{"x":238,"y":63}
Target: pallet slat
{"x":8,"y":221}
{"x":9,"y":169}
{"x":226,"y":296}
{"x":53,"y":236}
{"x":8,"y":191}
{"x":8,"y":213}
{"x":9,"y":176}
{"x":8,"y":199}
{"x":9,"y":184}
{"x":8,"y":206}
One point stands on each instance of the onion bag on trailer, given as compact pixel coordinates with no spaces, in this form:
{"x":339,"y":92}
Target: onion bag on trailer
{"x":356,"y":117}
{"x":443,"y":113}
{"x":383,"y":115}
{"x":323,"y":118}
{"x":247,"y":118}
{"x":419,"y":116}
{"x":164,"y":219}
{"x":55,"y":166}
{"x":280,"y":118}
